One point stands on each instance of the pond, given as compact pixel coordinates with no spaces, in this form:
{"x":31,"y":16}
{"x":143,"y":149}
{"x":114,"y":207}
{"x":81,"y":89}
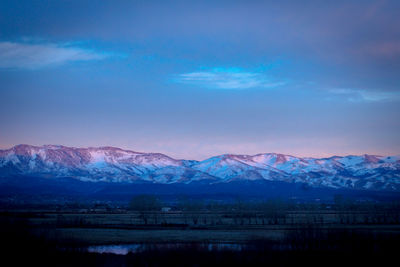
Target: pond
{"x":123,"y":249}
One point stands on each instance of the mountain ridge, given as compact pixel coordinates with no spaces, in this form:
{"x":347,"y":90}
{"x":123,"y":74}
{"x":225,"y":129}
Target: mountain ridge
{"x":113,"y":164}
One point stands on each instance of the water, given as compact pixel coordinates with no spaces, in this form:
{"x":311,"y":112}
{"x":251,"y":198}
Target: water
{"x":116,"y":249}
{"x":124,"y":249}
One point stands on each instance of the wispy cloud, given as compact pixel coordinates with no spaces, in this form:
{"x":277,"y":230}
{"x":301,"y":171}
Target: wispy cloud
{"x":358,"y":95}
{"x":228,"y":78}
{"x":34,"y":56}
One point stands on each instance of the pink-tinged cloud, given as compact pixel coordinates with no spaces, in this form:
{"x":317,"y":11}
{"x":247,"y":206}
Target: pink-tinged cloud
{"x":384,"y":49}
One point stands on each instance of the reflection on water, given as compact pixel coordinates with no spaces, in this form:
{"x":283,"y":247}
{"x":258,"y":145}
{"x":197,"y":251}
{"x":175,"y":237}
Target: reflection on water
{"x":124,"y":249}
{"x":116,"y":249}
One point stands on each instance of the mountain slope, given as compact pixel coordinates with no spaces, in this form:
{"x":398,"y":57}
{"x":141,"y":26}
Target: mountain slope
{"x":110,"y":164}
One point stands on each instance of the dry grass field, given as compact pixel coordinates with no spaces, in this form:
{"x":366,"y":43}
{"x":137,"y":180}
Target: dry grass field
{"x":258,"y":235}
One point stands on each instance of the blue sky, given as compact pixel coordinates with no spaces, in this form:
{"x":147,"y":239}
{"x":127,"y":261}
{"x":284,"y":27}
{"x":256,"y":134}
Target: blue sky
{"x":198,"y":78}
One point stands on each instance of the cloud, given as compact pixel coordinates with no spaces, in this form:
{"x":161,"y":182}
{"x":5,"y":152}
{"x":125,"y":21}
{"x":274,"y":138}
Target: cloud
{"x":35,"y":56}
{"x":358,"y":95}
{"x":383,"y":49}
{"x":228,"y":78}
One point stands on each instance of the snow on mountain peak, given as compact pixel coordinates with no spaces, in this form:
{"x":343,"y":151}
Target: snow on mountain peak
{"x":119,"y":165}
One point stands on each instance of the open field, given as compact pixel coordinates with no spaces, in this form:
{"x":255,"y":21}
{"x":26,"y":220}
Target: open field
{"x":273,"y":232}
{"x":368,"y":235}
{"x":89,"y":226}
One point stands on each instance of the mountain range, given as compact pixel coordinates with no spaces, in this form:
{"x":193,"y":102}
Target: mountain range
{"x":119,"y":166}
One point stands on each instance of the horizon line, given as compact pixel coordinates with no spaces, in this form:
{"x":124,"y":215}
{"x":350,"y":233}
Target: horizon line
{"x":216,"y":155}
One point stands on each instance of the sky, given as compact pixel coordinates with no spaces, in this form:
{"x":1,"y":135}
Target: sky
{"x":194,"y":79}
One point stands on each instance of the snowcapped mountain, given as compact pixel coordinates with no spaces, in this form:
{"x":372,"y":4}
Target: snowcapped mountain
{"x":110,"y":164}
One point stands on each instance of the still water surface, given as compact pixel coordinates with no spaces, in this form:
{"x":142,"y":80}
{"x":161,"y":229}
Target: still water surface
{"x":124,"y":249}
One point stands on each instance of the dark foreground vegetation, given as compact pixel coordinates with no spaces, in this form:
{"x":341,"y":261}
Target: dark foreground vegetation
{"x":187,"y":232}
